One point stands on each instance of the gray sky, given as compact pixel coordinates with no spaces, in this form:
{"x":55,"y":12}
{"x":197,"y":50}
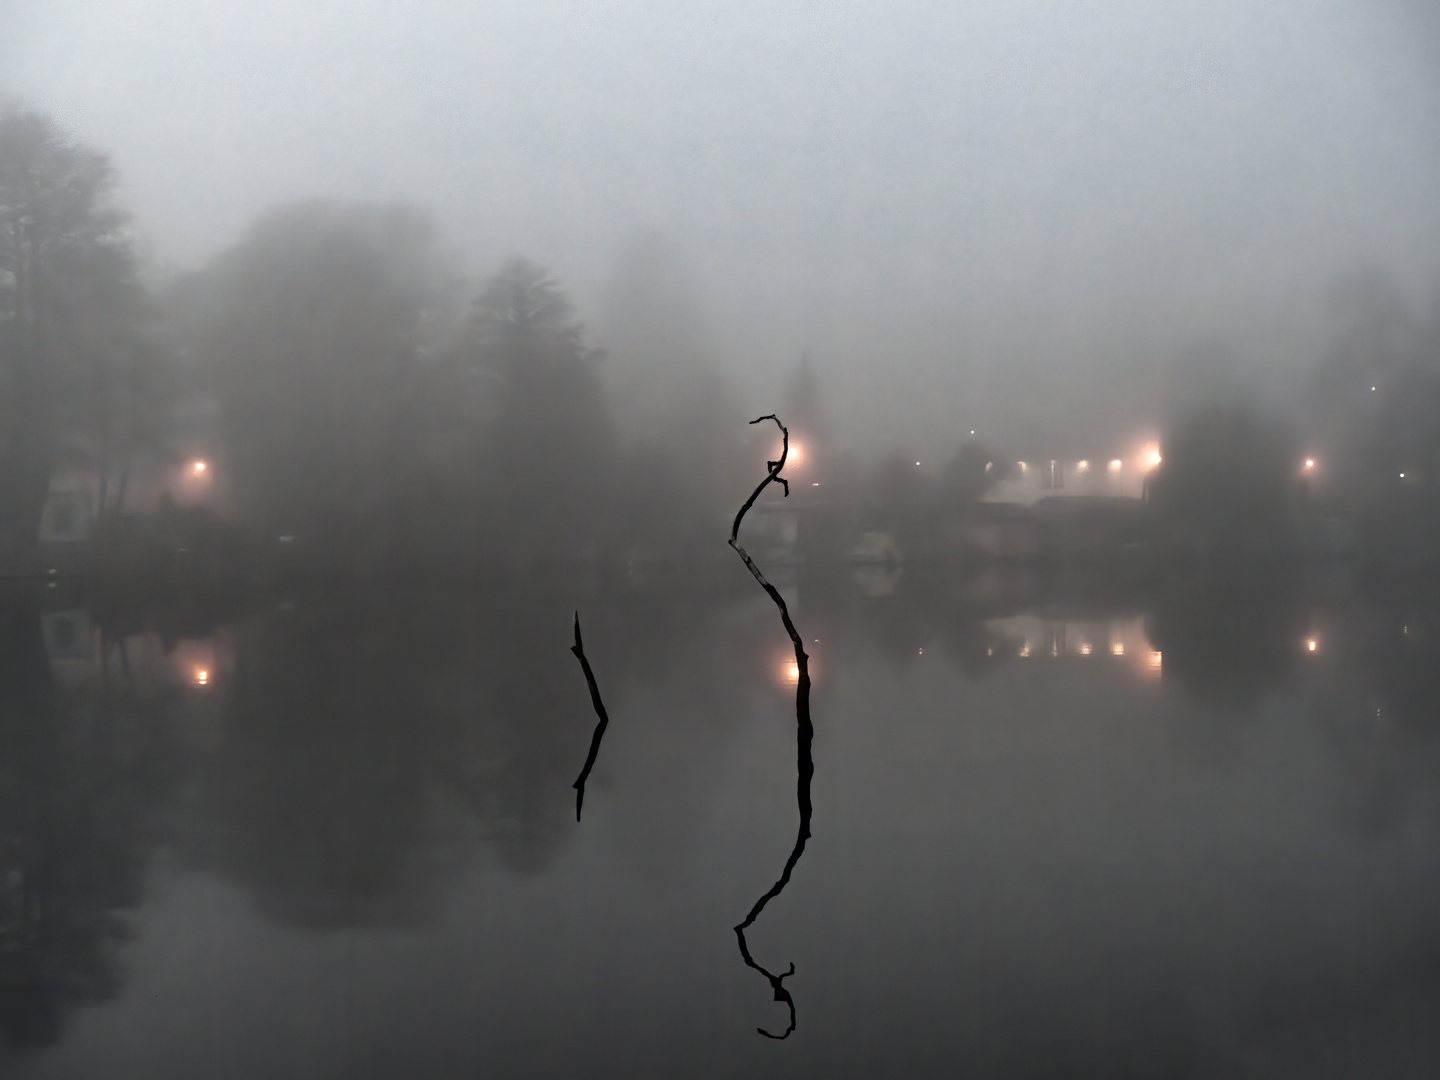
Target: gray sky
{"x":1013,"y":209}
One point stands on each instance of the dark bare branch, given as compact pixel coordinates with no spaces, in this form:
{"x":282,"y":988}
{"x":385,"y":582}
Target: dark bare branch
{"x":804,"y":733}
{"x":771,"y":476}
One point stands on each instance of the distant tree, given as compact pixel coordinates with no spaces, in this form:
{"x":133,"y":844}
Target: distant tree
{"x":896,"y":496}
{"x":971,"y":473}
{"x":804,"y":413}
{"x":1374,"y":399}
{"x":660,"y":360}
{"x":73,"y":361}
{"x":1228,"y":481}
{"x":318,"y":333}
{"x":674,"y":412}
{"x":1377,"y":340}
{"x":1375,"y":404}
{"x":550,"y":446}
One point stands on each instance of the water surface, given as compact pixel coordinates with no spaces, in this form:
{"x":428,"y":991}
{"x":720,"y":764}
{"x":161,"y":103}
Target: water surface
{"x":1181,"y":823}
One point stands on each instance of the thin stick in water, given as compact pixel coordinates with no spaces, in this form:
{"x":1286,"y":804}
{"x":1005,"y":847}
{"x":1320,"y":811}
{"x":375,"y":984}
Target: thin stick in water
{"x":804,"y":732}
{"x":579,"y":650}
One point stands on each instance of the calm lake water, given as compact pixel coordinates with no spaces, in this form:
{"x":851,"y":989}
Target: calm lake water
{"x":1178,"y":823}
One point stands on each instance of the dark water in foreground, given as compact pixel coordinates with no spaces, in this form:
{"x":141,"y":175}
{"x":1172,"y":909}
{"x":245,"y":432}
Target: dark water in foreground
{"x":1064,"y":826}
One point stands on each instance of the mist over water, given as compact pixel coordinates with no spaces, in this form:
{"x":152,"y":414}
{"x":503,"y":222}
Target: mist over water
{"x":1025,"y":216}
{"x":1072,"y":692}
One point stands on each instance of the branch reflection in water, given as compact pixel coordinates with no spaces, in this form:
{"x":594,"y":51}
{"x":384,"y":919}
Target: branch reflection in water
{"x":804,"y":734}
{"x":601,"y":724}
{"x":805,"y":731}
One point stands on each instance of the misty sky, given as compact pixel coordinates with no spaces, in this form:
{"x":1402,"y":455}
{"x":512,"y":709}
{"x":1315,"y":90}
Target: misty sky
{"x":974,"y":215}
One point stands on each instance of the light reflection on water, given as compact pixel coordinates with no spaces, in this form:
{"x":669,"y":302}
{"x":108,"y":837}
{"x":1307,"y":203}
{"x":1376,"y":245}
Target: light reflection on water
{"x":1139,"y":834}
{"x":1105,"y":641}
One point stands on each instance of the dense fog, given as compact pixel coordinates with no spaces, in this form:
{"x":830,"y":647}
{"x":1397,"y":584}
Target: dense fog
{"x":350,"y":350}
{"x":1039,"y":220}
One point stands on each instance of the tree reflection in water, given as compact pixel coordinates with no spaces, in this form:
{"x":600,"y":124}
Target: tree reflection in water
{"x":805,"y":730}
{"x":369,"y":738}
{"x":1229,"y":633}
{"x":86,"y":772}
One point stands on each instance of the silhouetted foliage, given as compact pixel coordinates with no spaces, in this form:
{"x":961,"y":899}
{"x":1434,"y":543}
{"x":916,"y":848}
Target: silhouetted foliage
{"x":971,"y":473}
{"x":1375,"y":403}
{"x":898,"y":497}
{"x":316,"y":329}
{"x":674,"y":413}
{"x":79,"y":381}
{"x":1229,"y":481}
{"x":549,"y":447}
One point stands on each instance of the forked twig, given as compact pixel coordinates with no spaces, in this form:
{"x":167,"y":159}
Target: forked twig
{"x":804,"y":731}
{"x":579,"y":650}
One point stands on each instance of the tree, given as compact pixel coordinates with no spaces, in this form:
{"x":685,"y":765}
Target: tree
{"x":550,"y":445}
{"x":1228,"y":482}
{"x":317,"y":331}
{"x":70,"y":317}
{"x":970,"y":474}
{"x":1375,"y":403}
{"x":675,"y":414}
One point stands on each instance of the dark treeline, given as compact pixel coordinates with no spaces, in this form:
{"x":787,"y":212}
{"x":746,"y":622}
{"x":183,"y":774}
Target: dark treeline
{"x":83,"y":379}
{"x":348,"y":399}
{"x":343,"y":387}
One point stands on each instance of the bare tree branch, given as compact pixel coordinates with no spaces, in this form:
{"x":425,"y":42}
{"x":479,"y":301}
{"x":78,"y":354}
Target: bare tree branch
{"x":804,"y":733}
